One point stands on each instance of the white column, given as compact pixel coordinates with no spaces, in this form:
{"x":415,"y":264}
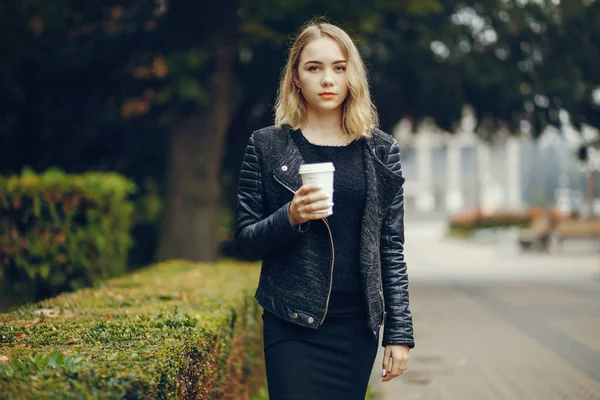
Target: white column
{"x":424,"y":200}
{"x":484,"y":169}
{"x":563,"y":200}
{"x":513,"y":173}
{"x":454,"y":197}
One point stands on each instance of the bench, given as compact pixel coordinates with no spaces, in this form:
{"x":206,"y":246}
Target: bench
{"x":577,"y":229}
{"x":537,"y":235}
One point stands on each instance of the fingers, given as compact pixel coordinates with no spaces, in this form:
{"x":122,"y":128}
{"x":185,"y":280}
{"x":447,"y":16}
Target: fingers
{"x":386,"y":361}
{"x":313,"y":201}
{"x":310,"y":195}
{"x":318,"y":206}
{"x":306,"y":189}
{"x":389,"y":374}
{"x":394,"y":371}
{"x":397,"y":363}
{"x":315,"y":211}
{"x":395,"y":367}
{"x":309,"y":203}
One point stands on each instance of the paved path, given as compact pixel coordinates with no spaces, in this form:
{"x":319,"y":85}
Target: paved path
{"x":491,"y":323}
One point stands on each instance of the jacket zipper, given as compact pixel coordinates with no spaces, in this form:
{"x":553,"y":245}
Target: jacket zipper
{"x":332,"y":253}
{"x":383,"y":312}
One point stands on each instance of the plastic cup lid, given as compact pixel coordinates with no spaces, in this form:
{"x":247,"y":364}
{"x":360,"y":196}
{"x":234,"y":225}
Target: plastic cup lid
{"x":317,"y":167}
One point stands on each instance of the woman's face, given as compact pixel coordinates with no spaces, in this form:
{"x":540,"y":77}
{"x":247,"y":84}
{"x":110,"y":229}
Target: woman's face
{"x":321,"y":75}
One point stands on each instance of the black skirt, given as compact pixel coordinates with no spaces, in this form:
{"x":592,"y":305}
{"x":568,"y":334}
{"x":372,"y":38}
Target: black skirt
{"x":329,"y":363}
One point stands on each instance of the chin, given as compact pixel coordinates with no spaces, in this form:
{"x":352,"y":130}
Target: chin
{"x":324,"y":106}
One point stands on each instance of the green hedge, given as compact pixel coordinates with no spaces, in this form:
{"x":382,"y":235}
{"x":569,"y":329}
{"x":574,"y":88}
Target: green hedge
{"x":174,"y":330}
{"x":465,"y":223}
{"x":60,"y":232}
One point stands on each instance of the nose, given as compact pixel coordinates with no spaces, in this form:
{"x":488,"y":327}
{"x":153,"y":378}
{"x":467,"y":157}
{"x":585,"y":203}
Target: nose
{"x":327,"y":81}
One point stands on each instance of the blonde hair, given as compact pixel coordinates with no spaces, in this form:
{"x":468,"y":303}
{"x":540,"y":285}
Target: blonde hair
{"x":359,"y":116}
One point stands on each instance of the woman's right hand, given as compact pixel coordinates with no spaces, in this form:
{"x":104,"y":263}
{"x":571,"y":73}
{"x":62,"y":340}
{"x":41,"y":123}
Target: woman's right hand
{"x":307,"y":199}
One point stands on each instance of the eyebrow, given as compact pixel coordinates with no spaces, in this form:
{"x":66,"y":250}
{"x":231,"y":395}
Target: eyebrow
{"x":321,"y":63}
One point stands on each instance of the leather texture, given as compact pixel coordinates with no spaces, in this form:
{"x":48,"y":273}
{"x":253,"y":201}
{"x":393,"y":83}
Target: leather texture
{"x":393,"y":266}
{"x":296,"y":267}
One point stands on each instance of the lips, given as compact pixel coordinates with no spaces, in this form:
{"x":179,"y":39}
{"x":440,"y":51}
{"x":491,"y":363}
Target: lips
{"x":327,"y":95}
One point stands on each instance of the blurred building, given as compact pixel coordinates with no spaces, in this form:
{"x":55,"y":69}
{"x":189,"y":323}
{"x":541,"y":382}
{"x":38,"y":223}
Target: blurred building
{"x":460,"y":171}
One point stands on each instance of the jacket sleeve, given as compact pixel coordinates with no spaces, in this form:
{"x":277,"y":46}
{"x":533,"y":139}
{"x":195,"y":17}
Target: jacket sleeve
{"x":256,"y":232}
{"x":398,"y":327}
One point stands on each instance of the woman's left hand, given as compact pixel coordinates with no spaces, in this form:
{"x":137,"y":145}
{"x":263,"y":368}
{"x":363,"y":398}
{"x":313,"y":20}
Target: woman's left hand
{"x":395,"y":361}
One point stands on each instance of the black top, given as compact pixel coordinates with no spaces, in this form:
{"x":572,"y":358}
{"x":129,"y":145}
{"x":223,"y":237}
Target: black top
{"x":349,"y":191}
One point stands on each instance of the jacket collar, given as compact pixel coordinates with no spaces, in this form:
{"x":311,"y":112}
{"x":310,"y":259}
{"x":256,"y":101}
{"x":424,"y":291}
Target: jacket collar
{"x":379,"y":178}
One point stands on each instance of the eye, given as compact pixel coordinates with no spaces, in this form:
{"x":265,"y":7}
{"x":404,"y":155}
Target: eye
{"x":340,"y":68}
{"x":313,"y":68}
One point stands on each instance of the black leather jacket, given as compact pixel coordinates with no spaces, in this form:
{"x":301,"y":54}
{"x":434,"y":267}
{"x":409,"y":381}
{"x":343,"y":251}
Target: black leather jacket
{"x":297,"y":267}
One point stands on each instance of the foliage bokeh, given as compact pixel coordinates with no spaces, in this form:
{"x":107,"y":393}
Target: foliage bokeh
{"x":62,"y":232}
{"x":144,"y":88}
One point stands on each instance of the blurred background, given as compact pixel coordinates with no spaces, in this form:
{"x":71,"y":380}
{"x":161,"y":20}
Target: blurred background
{"x":495,"y":104}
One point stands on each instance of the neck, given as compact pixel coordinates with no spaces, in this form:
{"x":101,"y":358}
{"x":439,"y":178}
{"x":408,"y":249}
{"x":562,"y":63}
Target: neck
{"x":324,"y":123}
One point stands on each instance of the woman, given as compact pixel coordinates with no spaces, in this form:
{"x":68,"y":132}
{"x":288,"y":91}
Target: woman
{"x":327,"y":283}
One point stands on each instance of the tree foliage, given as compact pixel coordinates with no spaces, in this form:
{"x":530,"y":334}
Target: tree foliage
{"x":110,"y":85}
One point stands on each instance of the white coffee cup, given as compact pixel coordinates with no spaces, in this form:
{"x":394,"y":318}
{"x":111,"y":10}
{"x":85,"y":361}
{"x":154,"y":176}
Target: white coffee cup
{"x":319,"y":174}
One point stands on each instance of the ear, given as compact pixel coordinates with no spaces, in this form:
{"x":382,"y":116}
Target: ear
{"x":295,"y":77}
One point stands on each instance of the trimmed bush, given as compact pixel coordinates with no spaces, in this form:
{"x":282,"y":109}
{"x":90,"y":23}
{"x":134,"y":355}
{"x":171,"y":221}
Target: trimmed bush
{"x":177,"y":330}
{"x":61,"y":232}
{"x":463,"y":223}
